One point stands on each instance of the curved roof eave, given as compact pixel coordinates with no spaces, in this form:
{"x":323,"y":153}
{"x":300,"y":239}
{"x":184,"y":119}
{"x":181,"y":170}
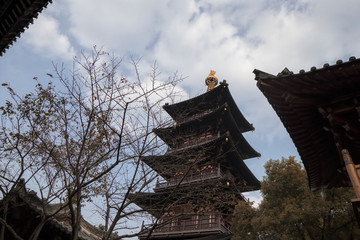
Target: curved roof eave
{"x":296,"y":98}
{"x":15,"y":16}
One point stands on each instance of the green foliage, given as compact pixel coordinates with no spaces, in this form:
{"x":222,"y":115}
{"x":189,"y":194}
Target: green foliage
{"x":289,"y":209}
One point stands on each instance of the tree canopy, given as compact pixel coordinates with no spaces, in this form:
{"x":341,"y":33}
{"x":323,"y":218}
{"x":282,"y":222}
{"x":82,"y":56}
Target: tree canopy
{"x":289,"y":209}
{"x":81,"y":142}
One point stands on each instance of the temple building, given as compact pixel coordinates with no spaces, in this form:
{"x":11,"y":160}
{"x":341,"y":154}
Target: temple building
{"x":23,"y":210}
{"x":203,"y":171}
{"x":320,"y":109}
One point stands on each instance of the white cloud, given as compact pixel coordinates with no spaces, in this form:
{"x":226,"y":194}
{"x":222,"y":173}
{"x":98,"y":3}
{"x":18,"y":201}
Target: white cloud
{"x":313,"y":33}
{"x":45,"y":38}
{"x":231,"y":37}
{"x":117,"y":25}
{"x":254,"y":197}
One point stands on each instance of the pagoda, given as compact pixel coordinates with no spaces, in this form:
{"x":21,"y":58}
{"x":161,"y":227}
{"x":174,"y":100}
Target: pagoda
{"x":203,"y":171}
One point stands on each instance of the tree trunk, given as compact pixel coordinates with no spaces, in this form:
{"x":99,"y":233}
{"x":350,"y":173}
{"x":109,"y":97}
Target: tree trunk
{"x":2,"y":233}
{"x":77,"y":217}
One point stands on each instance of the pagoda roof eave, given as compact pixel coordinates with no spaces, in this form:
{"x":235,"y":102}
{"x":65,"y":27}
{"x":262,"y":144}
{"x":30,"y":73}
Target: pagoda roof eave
{"x":215,"y":97}
{"x":168,"y":134}
{"x":152,"y":202}
{"x":247,"y":151}
{"x":297,"y":100}
{"x":172,"y":109}
{"x":241,"y":169}
{"x":182,"y":156}
{"x":156,"y":203}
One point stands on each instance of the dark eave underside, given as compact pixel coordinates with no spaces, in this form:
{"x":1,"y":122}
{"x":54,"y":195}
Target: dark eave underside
{"x":195,"y":124}
{"x":15,"y":16}
{"x":169,"y":163}
{"x":158,"y":202}
{"x":206,"y":102}
{"x":296,"y":98}
{"x":241,"y":172}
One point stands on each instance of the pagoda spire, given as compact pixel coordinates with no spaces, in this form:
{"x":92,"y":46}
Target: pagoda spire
{"x":211,"y":81}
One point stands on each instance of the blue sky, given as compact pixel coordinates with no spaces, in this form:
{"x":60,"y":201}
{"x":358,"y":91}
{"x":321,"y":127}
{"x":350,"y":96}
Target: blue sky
{"x":192,"y":37}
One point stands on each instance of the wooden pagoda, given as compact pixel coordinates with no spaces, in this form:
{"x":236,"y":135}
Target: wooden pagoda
{"x":203,"y":170}
{"x":320,"y":109}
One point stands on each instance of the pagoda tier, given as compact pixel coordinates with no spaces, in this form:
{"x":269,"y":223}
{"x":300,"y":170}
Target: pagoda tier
{"x":221,"y":194}
{"x":189,"y":142}
{"x":211,"y":124}
{"x":207,"y":102}
{"x":219,"y":150}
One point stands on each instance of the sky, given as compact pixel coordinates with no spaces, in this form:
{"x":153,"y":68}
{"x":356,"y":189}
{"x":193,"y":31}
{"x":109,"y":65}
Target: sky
{"x":191,"y":38}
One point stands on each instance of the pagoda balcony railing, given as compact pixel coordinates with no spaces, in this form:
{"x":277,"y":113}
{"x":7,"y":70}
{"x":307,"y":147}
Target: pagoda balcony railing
{"x":195,"y":141}
{"x":194,"y":116}
{"x":196,"y":224}
{"x":191,"y":178}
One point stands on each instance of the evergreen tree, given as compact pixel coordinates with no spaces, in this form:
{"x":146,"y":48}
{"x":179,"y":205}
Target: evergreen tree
{"x":289,"y":209}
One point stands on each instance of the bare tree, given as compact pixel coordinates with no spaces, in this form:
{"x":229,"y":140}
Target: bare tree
{"x":82,"y":141}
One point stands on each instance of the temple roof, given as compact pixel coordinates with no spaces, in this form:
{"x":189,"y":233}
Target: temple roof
{"x":197,"y":106}
{"x":30,"y":207}
{"x":15,"y":16}
{"x":320,"y":110}
{"x":223,"y":148}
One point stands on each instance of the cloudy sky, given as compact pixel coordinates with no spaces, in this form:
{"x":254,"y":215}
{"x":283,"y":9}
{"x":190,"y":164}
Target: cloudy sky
{"x":192,"y":37}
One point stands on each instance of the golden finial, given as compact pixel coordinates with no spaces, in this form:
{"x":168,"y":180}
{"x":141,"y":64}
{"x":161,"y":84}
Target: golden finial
{"x":211,"y":80}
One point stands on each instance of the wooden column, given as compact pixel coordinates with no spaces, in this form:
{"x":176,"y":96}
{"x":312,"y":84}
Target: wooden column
{"x":352,"y":171}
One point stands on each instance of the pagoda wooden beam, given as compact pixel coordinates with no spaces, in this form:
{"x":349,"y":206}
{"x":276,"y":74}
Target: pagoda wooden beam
{"x":297,"y":99}
{"x":348,"y":130}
